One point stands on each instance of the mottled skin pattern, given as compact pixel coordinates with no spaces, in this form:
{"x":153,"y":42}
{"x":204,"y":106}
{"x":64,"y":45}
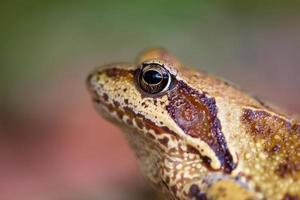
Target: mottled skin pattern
{"x":203,"y":138}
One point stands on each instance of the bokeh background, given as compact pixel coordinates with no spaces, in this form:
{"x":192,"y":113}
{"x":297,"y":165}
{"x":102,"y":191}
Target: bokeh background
{"x":54,"y":146}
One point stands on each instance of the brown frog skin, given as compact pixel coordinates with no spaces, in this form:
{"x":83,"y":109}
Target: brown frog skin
{"x":196,"y":136}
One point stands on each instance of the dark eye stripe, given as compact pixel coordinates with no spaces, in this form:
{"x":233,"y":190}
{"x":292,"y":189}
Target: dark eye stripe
{"x":196,"y":115}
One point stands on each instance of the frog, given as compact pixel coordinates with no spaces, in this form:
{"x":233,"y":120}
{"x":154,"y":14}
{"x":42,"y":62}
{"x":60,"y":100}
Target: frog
{"x":196,"y":136}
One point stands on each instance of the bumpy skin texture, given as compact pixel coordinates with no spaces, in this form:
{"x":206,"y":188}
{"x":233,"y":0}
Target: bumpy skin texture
{"x":203,"y":138}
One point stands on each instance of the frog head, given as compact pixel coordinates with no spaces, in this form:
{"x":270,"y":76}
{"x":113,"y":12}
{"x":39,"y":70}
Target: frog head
{"x":153,"y":98}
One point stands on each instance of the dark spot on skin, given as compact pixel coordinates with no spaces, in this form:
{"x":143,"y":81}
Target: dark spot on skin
{"x":196,"y":115}
{"x":126,"y":101}
{"x":145,"y":105}
{"x":105,"y":97}
{"x":194,"y":192}
{"x":125,"y":90}
{"x":290,"y":197}
{"x":164,"y":141}
{"x":117,"y":104}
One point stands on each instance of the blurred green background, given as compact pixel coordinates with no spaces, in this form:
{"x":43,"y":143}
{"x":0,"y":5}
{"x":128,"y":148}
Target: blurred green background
{"x":54,"y":146}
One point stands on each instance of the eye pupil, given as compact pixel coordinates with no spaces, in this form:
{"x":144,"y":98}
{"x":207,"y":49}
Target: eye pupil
{"x":152,"y":77}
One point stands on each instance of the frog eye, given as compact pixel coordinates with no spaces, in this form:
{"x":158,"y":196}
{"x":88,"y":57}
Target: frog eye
{"x":153,"y":78}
